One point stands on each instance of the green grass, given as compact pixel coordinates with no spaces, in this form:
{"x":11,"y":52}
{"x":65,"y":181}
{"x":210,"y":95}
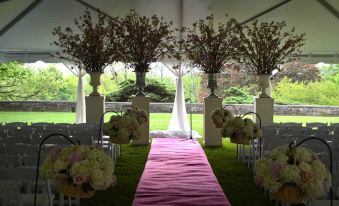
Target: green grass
{"x":234,"y":177}
{"x":128,"y":170}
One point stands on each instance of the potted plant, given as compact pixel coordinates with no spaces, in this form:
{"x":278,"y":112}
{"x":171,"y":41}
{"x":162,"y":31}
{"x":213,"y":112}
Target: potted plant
{"x":265,"y":46}
{"x":79,"y":171}
{"x":293,"y":175}
{"x":126,"y":126}
{"x":89,"y":45}
{"x":240,"y":130}
{"x":144,"y":40}
{"x":210,"y":47}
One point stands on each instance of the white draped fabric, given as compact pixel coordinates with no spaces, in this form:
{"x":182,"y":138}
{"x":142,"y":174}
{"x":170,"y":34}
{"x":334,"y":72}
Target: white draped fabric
{"x":80,"y":107}
{"x":179,"y":125}
{"x":179,"y":120}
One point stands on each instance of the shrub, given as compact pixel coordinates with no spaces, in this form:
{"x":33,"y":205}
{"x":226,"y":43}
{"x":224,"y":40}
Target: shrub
{"x":317,"y":93}
{"x":236,"y":95}
{"x":154,"y":89}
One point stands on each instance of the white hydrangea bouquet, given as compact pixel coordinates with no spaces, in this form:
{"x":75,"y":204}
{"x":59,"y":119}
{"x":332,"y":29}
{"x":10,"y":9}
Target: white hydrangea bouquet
{"x":79,"y":171}
{"x":127,"y":126}
{"x":293,"y":175}
{"x":219,"y":116}
{"x":240,"y":130}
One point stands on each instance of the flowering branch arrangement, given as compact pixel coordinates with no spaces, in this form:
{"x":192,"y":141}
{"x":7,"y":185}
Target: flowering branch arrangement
{"x":262,"y":47}
{"x":299,"y":168}
{"x":145,"y":40}
{"x":122,"y":128}
{"x":88,"y":45}
{"x":79,"y":166}
{"x":207,"y":47}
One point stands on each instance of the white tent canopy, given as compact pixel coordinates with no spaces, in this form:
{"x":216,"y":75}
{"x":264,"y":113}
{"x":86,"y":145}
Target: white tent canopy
{"x":26,"y":25}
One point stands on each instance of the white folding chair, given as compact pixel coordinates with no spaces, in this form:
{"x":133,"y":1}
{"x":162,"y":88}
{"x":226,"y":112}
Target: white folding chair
{"x":16,"y":149}
{"x":17,"y":187}
{"x":7,"y":161}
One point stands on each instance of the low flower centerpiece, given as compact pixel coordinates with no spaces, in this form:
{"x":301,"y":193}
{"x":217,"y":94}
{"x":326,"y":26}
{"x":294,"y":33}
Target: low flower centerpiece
{"x":220,"y":116}
{"x":210,"y":47}
{"x":79,"y":171}
{"x":126,"y":126}
{"x":144,"y":40}
{"x":293,"y":175}
{"x":264,"y":47}
{"x":241,"y":130}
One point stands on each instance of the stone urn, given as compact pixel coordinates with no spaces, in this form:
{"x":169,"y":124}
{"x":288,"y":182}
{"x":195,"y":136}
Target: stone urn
{"x":95,"y":82}
{"x":140,"y":83}
{"x":265,"y":85}
{"x":212,"y":84}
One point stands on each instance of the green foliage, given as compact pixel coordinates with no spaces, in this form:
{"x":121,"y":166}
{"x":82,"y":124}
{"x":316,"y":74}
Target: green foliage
{"x":21,"y":83}
{"x":192,"y":85}
{"x":330,"y":73}
{"x":235,"y":95}
{"x":316,"y":93}
{"x":154,"y":89}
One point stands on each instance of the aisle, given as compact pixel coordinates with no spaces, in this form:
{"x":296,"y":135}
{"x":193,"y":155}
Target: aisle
{"x":177,"y":173}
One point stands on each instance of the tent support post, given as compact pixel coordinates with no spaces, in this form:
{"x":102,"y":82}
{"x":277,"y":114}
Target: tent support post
{"x":265,"y":11}
{"x":329,"y":8}
{"x":92,"y":7}
{"x":20,"y":16}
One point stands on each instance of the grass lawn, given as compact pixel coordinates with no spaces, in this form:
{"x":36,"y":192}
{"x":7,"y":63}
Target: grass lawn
{"x":234,"y":177}
{"x":158,"y":120}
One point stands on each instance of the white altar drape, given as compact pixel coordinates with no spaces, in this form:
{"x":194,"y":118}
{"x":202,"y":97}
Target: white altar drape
{"x":179,"y":124}
{"x":80,"y":107}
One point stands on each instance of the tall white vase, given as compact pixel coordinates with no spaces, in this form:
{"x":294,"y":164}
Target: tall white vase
{"x":212,"y":84}
{"x":265,"y":85}
{"x":95,"y":82}
{"x":140,"y":83}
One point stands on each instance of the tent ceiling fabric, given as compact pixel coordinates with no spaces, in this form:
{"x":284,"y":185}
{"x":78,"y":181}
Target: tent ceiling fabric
{"x":29,"y":39}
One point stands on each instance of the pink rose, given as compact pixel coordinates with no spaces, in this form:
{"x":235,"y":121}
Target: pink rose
{"x":79,"y":179}
{"x":258,"y":180}
{"x":276,"y":169}
{"x":75,"y":157}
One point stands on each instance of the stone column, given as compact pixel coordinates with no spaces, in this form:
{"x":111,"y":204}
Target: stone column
{"x":142,"y":102}
{"x":95,"y":107}
{"x":212,"y":136}
{"x":264,"y":107}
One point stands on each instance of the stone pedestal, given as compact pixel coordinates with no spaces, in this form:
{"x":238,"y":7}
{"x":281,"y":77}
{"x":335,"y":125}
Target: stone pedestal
{"x":212,"y":136}
{"x":95,"y":107}
{"x":264,"y":107}
{"x":141,"y":102}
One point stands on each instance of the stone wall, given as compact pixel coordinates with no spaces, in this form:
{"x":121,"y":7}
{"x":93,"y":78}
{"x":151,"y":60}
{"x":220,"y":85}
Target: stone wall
{"x":64,"y":106}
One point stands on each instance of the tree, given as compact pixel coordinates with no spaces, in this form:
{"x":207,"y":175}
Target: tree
{"x":154,"y":89}
{"x":298,"y":72}
{"x":15,"y":82}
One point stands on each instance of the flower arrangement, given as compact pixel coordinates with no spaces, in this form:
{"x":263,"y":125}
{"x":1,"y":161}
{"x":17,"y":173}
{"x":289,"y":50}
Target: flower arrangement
{"x":219,"y":116}
{"x":207,"y":47}
{"x":79,"y":170}
{"x":92,"y":45}
{"x":122,"y":128}
{"x":144,"y":40}
{"x":299,"y":168}
{"x":263,"y":47}
{"x":240,"y":130}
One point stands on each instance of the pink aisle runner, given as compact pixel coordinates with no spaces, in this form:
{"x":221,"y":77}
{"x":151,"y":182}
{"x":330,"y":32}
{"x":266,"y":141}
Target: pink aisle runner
{"x":177,"y":173}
